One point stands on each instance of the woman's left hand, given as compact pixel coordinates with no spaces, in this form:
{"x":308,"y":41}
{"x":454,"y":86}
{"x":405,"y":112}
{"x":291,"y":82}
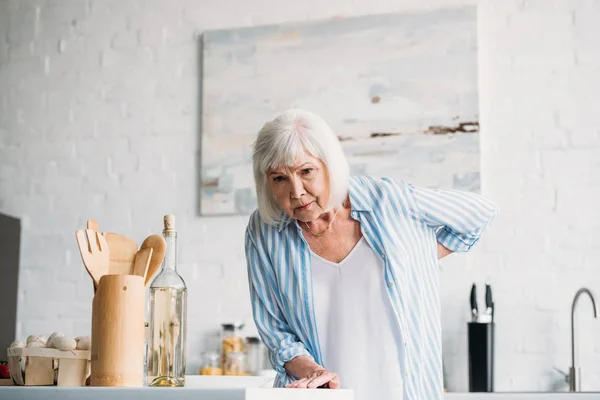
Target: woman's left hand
{"x":317,"y":378}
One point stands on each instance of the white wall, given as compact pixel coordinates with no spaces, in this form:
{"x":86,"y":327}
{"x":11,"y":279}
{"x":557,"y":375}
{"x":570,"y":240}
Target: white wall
{"x":99,"y":119}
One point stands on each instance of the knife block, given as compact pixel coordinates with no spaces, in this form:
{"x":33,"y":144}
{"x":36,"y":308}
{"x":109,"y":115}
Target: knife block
{"x":481,"y":356}
{"x":118,"y":311}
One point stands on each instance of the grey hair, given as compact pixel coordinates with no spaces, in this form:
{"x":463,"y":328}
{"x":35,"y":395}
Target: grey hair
{"x":281,"y":141}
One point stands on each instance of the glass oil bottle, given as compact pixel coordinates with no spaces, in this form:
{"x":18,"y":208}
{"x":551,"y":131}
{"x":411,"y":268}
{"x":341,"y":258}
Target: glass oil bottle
{"x":168,"y":319}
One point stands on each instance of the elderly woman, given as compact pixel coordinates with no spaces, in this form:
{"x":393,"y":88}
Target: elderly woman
{"x":343,"y":270}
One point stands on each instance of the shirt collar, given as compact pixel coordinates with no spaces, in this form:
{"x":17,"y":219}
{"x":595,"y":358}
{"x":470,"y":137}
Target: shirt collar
{"x":359,"y":201}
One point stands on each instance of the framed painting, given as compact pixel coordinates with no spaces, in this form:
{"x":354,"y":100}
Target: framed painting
{"x":399,"y":90}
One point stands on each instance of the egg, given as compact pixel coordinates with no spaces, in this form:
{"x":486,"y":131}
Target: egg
{"x":53,"y":336}
{"x":17,"y":344}
{"x":65,"y":343}
{"x":34,"y":338}
{"x":83,"y":342}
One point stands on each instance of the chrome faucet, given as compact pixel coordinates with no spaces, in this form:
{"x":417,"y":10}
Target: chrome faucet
{"x":574,"y":371}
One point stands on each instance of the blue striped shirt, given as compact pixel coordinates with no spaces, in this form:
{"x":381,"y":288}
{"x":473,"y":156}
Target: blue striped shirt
{"x":401,"y":223}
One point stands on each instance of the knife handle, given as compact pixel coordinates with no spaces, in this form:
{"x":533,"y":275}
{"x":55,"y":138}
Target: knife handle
{"x":488,"y":296}
{"x":473,"y":299}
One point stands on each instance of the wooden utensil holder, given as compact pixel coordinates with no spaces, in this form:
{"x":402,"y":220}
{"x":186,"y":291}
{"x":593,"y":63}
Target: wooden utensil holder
{"x":72,"y":366}
{"x":118,"y":311}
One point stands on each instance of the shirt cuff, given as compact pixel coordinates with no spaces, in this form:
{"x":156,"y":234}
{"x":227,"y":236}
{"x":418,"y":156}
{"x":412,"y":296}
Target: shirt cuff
{"x":288,"y":353}
{"x":456,"y":242}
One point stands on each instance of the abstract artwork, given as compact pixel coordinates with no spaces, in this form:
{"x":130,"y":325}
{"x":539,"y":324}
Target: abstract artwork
{"x":399,"y":90}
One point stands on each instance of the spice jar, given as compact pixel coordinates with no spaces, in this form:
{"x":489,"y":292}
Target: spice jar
{"x":235,"y":364}
{"x":231,"y":341}
{"x":211,"y":364}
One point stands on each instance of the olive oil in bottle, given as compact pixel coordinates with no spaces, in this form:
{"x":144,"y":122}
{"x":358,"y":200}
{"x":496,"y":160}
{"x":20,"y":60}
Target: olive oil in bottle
{"x":168,"y":318}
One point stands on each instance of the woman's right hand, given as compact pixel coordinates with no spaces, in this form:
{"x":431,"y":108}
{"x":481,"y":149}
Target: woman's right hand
{"x":319,"y":377}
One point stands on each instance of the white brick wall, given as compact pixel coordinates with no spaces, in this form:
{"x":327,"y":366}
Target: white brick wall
{"x":99,"y":118}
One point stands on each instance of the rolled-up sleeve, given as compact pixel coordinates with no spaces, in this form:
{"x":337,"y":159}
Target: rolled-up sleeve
{"x":276,"y":334}
{"x":459,"y":217}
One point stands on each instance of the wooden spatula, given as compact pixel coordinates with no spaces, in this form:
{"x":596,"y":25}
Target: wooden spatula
{"x":141,"y":263}
{"x":93,"y":225}
{"x":158,"y":244}
{"x":122,"y":250}
{"x":122,"y":253}
{"x":94,"y":253}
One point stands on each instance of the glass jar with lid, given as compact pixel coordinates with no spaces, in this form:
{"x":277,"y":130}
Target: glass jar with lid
{"x":255,"y":355}
{"x":231,"y":340}
{"x":211,"y":364}
{"x":235,"y":363}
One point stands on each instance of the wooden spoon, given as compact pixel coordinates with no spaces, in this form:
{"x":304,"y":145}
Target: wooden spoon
{"x":122,"y":253}
{"x":158,"y":245}
{"x":141,"y":263}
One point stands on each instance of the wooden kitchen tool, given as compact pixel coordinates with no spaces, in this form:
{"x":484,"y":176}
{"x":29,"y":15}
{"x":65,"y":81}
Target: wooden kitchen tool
{"x":158,"y":245}
{"x":94,"y":253}
{"x":122,"y":250}
{"x":141,"y":263}
{"x":118,"y":331}
{"x":122,"y":253}
{"x":92,"y":225}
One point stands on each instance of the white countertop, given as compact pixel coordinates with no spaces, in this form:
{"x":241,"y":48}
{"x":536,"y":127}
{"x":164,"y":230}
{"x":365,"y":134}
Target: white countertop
{"x":238,"y":388}
{"x":522,"y":396}
{"x":186,"y":393}
{"x":196,"y":388}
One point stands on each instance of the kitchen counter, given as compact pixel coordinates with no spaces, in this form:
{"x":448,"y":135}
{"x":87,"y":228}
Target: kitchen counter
{"x":196,"y":388}
{"x":187,"y":393}
{"x":522,"y":396}
{"x":191,"y":393}
{"x":238,"y":388}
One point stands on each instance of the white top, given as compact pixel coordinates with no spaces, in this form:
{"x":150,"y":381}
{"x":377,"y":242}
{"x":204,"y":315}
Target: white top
{"x":358,"y":331}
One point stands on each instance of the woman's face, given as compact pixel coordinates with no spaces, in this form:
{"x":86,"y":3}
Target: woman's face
{"x":301,"y":190}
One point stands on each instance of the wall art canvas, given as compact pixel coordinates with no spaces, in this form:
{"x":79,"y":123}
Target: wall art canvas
{"x":399,"y":90}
